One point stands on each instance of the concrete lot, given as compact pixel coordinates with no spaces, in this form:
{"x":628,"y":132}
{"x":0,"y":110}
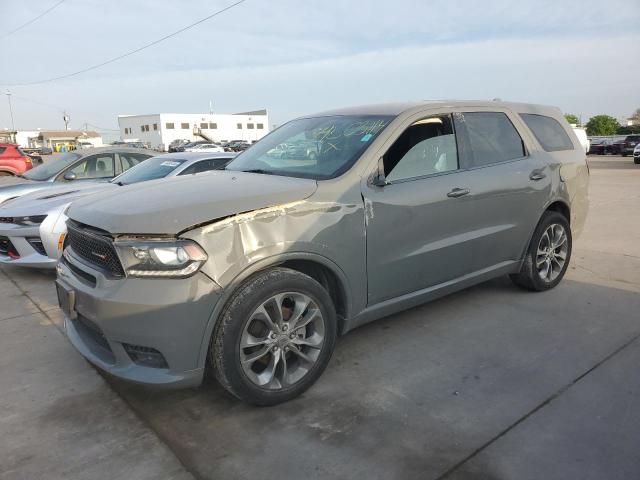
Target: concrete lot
{"x":489,"y":383}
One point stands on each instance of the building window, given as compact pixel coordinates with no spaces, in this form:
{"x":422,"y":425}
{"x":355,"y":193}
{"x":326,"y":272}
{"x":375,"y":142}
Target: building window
{"x":169,"y":126}
{"x":155,"y":126}
{"x":204,"y":125}
{"x":260,"y":126}
{"x":142,"y":128}
{"x":184,"y":126}
{"x":213,"y":126}
{"x":239,"y":126}
{"x":250,"y":126}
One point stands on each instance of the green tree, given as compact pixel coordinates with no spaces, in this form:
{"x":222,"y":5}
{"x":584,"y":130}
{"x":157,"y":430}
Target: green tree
{"x":602,"y":125}
{"x":572,"y":119}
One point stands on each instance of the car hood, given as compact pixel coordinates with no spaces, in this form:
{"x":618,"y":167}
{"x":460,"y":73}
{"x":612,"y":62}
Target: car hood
{"x":173,"y":205}
{"x":41,"y":202}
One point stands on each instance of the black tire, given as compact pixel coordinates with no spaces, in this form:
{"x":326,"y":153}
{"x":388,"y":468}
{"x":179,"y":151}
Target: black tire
{"x":528,"y":277}
{"x":224,"y":352}
{"x":636,"y":160}
{"x":625,"y":154}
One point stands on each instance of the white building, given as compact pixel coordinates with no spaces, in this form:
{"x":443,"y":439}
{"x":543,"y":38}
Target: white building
{"x":52,"y":138}
{"x":160,"y":129}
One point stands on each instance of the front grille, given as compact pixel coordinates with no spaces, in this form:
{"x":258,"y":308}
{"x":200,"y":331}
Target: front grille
{"x":37,"y":245}
{"x":96,"y":248}
{"x":6,"y":219}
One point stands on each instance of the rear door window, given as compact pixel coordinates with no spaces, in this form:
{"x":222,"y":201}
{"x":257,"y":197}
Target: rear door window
{"x":129,"y":160}
{"x":548,"y":132}
{"x":491,"y":138}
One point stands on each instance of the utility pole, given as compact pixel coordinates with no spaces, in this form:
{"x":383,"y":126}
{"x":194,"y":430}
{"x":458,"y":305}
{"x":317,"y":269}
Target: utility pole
{"x":13,"y":126}
{"x":210,"y":107}
{"x":66,"y":119}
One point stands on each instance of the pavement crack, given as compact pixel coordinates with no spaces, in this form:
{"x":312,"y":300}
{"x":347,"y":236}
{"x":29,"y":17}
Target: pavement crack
{"x":539,"y":407}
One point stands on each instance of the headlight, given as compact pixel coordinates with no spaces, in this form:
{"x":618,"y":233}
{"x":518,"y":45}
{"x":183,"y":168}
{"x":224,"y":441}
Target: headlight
{"x":29,"y":221}
{"x":160,"y":258}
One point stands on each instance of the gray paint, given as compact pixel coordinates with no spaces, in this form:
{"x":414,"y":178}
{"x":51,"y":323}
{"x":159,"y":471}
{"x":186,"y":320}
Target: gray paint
{"x":391,"y":247}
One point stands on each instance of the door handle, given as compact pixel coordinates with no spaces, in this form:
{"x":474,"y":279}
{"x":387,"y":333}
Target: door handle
{"x":536,"y":175}
{"x":458,"y":192}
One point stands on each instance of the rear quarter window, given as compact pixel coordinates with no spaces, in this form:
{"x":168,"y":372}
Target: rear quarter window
{"x":2,"y":149}
{"x":548,"y":131}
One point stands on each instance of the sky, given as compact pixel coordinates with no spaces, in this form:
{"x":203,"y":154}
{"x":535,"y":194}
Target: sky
{"x":295,"y":57}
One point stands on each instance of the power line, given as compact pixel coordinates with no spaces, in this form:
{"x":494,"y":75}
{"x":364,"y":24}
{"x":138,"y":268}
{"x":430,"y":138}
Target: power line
{"x":120,"y":57}
{"x":31,"y":21}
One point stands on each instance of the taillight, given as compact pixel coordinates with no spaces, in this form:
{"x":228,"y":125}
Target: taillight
{"x":28,"y":160}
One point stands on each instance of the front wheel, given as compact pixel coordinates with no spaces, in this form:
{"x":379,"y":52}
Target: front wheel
{"x":274,"y":338}
{"x":636,"y":160}
{"x":548,"y":255}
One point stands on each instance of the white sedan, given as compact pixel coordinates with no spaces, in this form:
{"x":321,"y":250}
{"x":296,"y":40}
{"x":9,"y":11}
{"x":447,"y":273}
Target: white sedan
{"x":33,"y":227}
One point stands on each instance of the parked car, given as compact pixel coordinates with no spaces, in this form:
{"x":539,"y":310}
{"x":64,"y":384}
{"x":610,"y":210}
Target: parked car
{"x":581,"y":133}
{"x":184,"y":147}
{"x":95,"y":164}
{"x":177,"y":143}
{"x":628,"y":145}
{"x":205,"y":147}
{"x":33,"y":227}
{"x":13,"y":161}
{"x":602,"y":146}
{"x":636,"y":154}
{"x":254,"y":271}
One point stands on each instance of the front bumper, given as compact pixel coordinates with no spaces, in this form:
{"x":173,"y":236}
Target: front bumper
{"x":24,"y":241}
{"x":167,"y":315}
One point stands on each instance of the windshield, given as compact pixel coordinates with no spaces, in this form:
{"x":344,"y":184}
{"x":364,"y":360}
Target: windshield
{"x":317,"y":147}
{"x":52,"y":167}
{"x":151,"y":169}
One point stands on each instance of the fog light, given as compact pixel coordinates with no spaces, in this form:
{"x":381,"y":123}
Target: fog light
{"x":145,"y":356}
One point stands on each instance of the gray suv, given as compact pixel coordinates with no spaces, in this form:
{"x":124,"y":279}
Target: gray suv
{"x":254,"y":271}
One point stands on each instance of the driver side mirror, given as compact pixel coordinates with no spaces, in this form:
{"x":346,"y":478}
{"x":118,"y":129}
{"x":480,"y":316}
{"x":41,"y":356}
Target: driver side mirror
{"x":69,"y":176}
{"x":379,"y":178}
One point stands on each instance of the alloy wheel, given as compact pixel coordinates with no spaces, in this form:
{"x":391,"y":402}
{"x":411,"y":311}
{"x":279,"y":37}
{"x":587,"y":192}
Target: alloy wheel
{"x":552,"y":252}
{"x":282,"y":340}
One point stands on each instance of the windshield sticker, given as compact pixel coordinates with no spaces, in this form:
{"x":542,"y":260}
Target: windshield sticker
{"x":167,"y":163}
{"x":366,"y":137}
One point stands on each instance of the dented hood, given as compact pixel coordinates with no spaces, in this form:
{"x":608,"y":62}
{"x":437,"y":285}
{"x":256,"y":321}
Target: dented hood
{"x":172,"y":205}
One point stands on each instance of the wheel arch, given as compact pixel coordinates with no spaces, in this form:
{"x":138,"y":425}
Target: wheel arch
{"x":318,"y":267}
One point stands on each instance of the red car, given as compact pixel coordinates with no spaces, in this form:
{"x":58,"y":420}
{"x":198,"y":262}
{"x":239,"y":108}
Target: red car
{"x":13,"y":161}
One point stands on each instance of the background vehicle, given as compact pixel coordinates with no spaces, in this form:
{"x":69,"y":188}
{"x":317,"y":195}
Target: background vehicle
{"x":33,"y":227}
{"x":185,"y":146}
{"x":205,"y":147}
{"x":95,"y":164}
{"x":266,"y":262}
{"x":13,"y":161}
{"x":628,"y":145}
{"x":603,"y":146}
{"x":636,"y":154}
{"x":177,"y":143}
{"x":581,"y":133}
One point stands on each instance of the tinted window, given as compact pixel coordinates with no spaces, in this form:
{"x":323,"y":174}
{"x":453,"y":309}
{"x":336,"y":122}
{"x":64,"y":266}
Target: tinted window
{"x":548,"y":132}
{"x":205,"y":166}
{"x":491,"y":135}
{"x":426,"y":147}
{"x":2,"y":149}
{"x":156,"y":167}
{"x":95,"y":166}
{"x":131,"y":160}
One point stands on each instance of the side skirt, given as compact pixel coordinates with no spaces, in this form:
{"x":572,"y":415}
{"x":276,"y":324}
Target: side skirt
{"x":410,"y":300}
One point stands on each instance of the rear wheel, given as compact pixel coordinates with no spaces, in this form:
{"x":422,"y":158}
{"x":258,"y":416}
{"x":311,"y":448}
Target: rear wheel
{"x":275,"y":337}
{"x":548,"y":255}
